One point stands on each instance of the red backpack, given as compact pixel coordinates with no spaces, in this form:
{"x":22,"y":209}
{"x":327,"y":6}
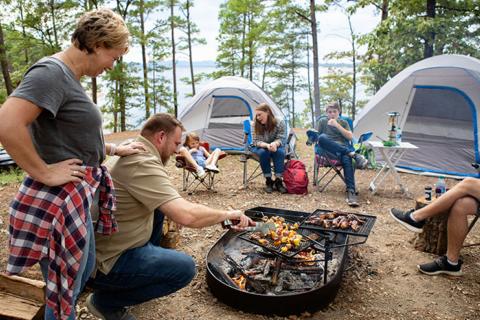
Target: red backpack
{"x":295,"y":177}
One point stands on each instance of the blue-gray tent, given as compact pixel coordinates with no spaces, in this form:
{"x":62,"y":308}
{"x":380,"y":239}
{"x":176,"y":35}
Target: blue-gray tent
{"x":217,"y":112}
{"x":439,"y":102}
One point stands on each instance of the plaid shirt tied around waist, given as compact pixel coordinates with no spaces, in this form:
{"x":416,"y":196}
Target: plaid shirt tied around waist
{"x":50,"y":222}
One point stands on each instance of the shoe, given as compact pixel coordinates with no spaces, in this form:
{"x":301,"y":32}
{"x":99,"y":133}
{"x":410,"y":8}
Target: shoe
{"x":212,"y":167}
{"x":119,"y":314}
{"x":352,"y":198}
{"x":405,"y":220}
{"x":279,"y":185}
{"x":439,"y":266}
{"x":360,"y":161}
{"x":268,"y":185}
{"x":201,"y":173}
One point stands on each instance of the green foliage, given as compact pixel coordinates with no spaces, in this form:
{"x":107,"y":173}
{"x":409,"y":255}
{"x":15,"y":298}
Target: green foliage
{"x":402,"y":38}
{"x":11,"y":176}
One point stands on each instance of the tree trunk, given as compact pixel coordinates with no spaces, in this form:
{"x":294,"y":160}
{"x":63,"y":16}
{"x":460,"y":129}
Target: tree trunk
{"x":115,"y":107}
{"x":54,"y":24}
{"x":94,"y":90}
{"x":316,"y":80}
{"x":384,"y":10}
{"x":190,"y":55}
{"x":293,"y":85}
{"x":244,"y":32}
{"x":4,"y":64}
{"x":433,"y":239}
{"x":144,"y":60}
{"x":430,"y":38}
{"x":174,"y":69}
{"x":24,"y":33}
{"x":309,"y":82}
{"x":354,"y":66}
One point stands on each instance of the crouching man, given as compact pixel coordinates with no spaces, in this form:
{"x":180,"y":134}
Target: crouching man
{"x":131,"y":266}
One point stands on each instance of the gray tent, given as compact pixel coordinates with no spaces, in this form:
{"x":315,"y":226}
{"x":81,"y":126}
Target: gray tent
{"x":439,"y":102}
{"x":217,"y":112}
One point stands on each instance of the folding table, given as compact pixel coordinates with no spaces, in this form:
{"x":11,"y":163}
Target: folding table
{"x":391,"y":156}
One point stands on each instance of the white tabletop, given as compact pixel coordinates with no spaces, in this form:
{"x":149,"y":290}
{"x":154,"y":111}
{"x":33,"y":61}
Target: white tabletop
{"x":403,"y":145}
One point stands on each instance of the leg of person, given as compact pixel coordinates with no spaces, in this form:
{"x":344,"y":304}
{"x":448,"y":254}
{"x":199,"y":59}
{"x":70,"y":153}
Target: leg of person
{"x":414,"y":220}
{"x":191,"y":162}
{"x":264,"y":156}
{"x":349,"y":174}
{"x":211,"y":162}
{"x":139,"y":275}
{"x":87,"y":265}
{"x":278,"y":158}
{"x":333,"y":147}
{"x":457,"y":230}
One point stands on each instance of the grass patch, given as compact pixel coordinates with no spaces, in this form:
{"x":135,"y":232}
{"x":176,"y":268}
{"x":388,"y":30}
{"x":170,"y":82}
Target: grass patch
{"x":14,"y":175}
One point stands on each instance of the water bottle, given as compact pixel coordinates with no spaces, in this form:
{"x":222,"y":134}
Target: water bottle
{"x":398,"y":136}
{"x":440,"y":187}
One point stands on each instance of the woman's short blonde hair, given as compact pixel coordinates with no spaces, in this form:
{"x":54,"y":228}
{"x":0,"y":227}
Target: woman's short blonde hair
{"x":100,"y":28}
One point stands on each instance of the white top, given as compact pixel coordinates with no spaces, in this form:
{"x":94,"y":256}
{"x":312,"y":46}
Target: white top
{"x":403,"y":145}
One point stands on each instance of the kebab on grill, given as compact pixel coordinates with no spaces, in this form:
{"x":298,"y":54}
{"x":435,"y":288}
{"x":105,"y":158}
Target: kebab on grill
{"x":337,"y":220}
{"x":284,"y":237}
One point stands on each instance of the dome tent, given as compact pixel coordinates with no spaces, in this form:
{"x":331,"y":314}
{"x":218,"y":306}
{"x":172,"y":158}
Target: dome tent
{"x":438,"y":100}
{"x":217,"y":112}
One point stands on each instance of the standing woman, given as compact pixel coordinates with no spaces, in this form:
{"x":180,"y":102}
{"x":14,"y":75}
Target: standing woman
{"x":269,"y":144}
{"x":53,"y":131}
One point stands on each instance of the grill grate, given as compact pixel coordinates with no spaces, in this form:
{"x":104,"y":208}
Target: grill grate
{"x":363,"y":231}
{"x":304,"y":244}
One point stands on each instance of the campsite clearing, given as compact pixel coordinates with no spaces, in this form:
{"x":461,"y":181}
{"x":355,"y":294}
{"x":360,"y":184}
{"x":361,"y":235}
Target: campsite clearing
{"x":381,"y":281}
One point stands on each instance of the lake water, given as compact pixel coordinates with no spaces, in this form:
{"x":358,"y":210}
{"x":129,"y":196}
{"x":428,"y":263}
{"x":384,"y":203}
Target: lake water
{"x":136,"y":115}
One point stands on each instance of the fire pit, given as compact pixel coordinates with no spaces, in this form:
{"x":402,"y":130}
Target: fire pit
{"x":250,"y":277}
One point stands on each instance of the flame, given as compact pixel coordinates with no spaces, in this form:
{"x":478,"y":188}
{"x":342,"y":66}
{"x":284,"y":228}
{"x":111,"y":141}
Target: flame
{"x":308,"y":256}
{"x":240,"y":281}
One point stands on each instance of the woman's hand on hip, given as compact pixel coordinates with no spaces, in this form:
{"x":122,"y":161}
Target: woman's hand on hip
{"x":62,"y":172}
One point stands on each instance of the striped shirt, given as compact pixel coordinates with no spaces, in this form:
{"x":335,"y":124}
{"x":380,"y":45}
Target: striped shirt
{"x":50,"y":222}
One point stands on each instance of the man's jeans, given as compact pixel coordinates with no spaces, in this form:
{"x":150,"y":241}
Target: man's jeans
{"x":144,"y":273}
{"x":340,"y":152}
{"x":87,"y":264}
{"x":278,"y":158}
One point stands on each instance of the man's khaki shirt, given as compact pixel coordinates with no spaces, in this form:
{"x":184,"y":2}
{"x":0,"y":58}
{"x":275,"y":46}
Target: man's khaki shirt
{"x":142,"y":184}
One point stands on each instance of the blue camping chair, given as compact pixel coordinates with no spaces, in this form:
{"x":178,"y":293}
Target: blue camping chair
{"x":247,"y":154}
{"x":329,"y":161}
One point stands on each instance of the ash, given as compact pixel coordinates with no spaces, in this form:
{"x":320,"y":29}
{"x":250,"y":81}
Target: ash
{"x":267,"y":273}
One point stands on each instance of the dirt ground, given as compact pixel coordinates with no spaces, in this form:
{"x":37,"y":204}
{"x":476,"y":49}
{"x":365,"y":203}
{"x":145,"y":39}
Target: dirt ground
{"x":381,"y":280}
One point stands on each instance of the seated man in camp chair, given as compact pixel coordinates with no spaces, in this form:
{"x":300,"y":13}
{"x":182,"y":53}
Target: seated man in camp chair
{"x":334,"y":136}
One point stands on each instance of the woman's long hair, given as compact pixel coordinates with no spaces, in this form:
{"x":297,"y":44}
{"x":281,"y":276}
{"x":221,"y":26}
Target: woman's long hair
{"x":260,"y":129}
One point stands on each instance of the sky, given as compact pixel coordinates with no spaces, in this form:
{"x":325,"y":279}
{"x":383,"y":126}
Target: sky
{"x":333,"y":29}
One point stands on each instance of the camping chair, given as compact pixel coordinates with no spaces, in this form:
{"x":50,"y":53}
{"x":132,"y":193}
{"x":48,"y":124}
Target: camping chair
{"x":191,"y":180}
{"x":329,"y":161}
{"x":247,"y":154}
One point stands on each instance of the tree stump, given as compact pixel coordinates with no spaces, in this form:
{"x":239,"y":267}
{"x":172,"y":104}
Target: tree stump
{"x":171,"y":234}
{"x":433,"y":239}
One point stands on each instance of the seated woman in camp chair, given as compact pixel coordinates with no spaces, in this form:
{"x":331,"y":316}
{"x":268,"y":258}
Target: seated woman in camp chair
{"x":334,"y":137}
{"x":198,"y":157}
{"x":268,"y":143}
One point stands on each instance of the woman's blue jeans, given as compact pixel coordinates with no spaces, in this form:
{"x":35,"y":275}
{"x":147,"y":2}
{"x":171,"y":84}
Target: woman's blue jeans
{"x":142,"y":274}
{"x":339,"y":151}
{"x":87,"y":264}
{"x":278,"y":158}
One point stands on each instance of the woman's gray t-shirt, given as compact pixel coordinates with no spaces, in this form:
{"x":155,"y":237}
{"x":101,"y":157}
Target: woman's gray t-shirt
{"x":70,"y":125}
